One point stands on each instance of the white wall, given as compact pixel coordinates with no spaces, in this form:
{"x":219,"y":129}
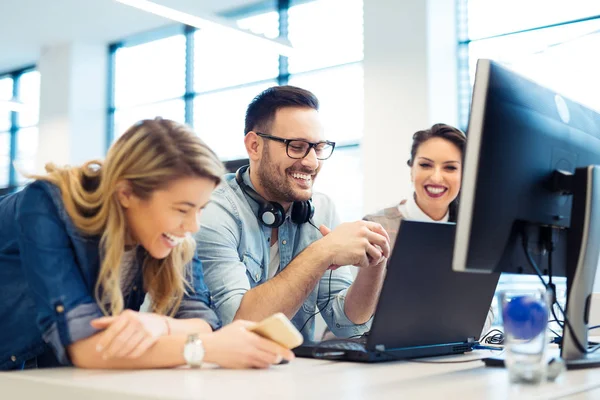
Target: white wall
{"x":73,"y":98}
{"x":410,"y":83}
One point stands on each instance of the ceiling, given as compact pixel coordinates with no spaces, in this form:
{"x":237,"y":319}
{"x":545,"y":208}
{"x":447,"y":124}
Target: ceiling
{"x":28,"y":25}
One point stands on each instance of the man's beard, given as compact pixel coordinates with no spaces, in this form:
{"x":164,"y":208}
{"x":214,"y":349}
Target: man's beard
{"x":277,"y":187}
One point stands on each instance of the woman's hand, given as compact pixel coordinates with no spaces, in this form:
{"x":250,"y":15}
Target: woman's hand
{"x":235,"y":347}
{"x":130,"y":334}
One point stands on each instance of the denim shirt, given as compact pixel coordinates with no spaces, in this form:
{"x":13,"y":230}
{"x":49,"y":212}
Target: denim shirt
{"x":48,"y":274}
{"x":234,"y":249}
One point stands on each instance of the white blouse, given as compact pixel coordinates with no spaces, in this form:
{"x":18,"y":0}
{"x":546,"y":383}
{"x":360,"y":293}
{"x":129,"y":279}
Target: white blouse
{"x":411,"y":210}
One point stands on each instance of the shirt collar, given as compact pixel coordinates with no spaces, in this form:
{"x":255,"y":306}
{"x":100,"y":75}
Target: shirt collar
{"x":414,"y":212}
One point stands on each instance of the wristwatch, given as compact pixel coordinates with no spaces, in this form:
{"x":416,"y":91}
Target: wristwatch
{"x":193,"y":351}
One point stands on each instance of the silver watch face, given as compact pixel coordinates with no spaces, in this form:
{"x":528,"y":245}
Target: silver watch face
{"x":193,"y":351}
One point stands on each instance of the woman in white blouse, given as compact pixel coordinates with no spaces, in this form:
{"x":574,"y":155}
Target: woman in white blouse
{"x":435,"y":170}
{"x":435,"y":163}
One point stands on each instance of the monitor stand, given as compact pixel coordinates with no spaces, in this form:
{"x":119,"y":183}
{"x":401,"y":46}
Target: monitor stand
{"x":583,"y":254}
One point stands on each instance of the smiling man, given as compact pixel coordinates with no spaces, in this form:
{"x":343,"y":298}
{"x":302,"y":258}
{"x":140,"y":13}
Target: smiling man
{"x":269,"y":244}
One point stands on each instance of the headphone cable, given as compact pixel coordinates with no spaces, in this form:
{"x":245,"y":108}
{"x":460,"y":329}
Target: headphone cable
{"x":319,"y":310}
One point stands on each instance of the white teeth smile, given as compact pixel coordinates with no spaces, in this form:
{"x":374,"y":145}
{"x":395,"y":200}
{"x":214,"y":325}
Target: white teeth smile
{"x":301,"y":176}
{"x":175,"y":240}
{"x":435,"y":190}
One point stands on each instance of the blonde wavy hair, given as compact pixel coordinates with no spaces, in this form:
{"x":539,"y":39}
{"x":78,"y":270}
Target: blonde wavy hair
{"x":149,"y":155}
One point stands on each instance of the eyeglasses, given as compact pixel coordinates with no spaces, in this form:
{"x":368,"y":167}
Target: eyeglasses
{"x":299,"y":148}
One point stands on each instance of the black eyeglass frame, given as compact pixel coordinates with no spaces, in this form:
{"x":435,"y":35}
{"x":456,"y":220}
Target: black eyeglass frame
{"x":287,"y":142}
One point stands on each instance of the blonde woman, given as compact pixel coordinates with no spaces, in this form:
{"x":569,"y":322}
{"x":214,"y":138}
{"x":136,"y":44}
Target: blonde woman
{"x":81,"y":246}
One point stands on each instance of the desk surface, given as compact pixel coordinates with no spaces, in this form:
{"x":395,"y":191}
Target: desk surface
{"x":593,"y":394}
{"x":301,"y":379}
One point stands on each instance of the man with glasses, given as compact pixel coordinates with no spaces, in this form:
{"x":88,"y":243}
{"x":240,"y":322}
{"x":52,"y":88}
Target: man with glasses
{"x":269,"y":244}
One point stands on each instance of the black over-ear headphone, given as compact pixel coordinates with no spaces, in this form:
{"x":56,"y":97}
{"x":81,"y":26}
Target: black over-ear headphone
{"x":271,"y":213}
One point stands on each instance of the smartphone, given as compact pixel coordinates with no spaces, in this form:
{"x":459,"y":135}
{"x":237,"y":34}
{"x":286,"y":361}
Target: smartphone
{"x":279,"y":329}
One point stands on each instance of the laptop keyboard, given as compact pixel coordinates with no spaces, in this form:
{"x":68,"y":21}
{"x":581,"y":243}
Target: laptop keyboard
{"x":349,"y":345}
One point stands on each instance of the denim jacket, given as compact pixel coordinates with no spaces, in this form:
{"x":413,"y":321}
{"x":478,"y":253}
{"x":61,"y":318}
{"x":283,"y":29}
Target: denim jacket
{"x":48,"y":273}
{"x":234,"y":249}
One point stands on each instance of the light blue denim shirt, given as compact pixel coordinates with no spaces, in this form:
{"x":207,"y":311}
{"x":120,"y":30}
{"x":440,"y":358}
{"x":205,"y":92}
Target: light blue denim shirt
{"x":234,"y":249}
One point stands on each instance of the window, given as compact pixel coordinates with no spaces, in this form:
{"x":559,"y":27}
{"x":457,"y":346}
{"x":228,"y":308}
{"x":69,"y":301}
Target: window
{"x":27,"y":144}
{"x":6,"y":93}
{"x":559,"y":58}
{"x":150,"y":72}
{"x":149,"y":81}
{"x":27,"y":133}
{"x":555,"y":48}
{"x":18,"y":131}
{"x":208,"y":81}
{"x":340,"y":93}
{"x":215,"y":68}
{"x":29,"y":93}
{"x":222,"y":94}
{"x":492,"y":18}
{"x":170,"y":109}
{"x":219,"y":118}
{"x":325,"y":33}
{"x":4,"y":159}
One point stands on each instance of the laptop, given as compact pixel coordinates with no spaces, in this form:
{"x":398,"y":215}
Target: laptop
{"x":425,"y":308}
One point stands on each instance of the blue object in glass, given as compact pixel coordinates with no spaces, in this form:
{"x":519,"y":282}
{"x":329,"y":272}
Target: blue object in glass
{"x":525,"y":317}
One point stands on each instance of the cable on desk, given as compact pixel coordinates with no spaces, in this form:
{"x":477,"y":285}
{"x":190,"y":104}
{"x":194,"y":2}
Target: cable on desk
{"x":494,"y":336}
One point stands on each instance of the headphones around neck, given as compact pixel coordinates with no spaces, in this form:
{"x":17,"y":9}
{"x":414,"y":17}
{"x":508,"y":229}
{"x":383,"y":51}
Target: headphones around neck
{"x":271,"y":213}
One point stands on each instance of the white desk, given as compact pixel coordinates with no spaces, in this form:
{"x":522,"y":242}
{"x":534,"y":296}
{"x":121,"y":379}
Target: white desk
{"x":593,"y":394}
{"x":302,"y":379}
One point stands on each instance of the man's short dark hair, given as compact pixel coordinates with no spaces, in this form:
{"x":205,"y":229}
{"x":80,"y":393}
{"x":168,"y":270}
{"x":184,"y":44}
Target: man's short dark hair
{"x":261,"y":111}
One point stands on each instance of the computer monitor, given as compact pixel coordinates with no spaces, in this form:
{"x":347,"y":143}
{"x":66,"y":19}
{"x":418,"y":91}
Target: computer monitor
{"x":531,"y":191}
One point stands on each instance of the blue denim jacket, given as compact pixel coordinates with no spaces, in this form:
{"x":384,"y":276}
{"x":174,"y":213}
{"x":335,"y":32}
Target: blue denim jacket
{"x":235,"y":253}
{"x":48,"y":272}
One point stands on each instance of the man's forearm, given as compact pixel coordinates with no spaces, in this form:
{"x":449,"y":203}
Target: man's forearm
{"x":363,"y":294}
{"x":287,"y":290}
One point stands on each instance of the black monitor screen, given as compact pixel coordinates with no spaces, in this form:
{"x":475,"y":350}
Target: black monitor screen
{"x":519,"y":134}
